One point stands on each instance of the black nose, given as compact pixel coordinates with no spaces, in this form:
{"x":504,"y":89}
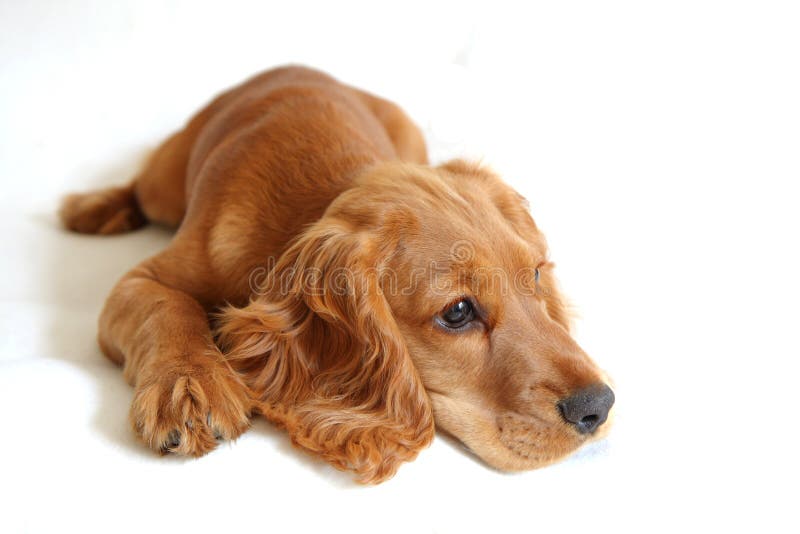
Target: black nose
{"x":588,"y":408}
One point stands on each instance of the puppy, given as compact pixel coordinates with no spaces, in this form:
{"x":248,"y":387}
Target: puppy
{"x":325,"y":276}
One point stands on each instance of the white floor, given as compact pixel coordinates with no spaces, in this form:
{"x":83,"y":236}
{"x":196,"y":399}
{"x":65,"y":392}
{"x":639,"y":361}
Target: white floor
{"x":658,"y":147}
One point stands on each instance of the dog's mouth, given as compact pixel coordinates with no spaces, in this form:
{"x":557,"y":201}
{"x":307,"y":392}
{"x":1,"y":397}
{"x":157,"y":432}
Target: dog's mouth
{"x":534,"y":441}
{"x":508,"y":441}
{"x":540,"y":442}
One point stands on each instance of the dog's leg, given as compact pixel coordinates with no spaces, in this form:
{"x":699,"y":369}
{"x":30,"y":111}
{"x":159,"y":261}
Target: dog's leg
{"x":113,"y":210}
{"x":158,"y":193}
{"x":186,"y":394}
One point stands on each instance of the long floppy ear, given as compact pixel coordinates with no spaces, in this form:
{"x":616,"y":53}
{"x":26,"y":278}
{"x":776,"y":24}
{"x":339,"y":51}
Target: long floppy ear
{"x":322,"y":351}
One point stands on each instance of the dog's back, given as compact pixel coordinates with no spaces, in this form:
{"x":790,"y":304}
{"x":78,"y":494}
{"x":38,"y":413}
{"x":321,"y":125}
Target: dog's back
{"x":250,"y":170}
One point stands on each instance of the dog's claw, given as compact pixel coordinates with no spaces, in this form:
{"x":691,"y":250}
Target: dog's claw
{"x":217,"y":432}
{"x":189,"y":412}
{"x":173,"y":440}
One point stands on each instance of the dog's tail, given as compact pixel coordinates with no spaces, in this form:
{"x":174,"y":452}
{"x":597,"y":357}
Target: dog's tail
{"x":114,"y":210}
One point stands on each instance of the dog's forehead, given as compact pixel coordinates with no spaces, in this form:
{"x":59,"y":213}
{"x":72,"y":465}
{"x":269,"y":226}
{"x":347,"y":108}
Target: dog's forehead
{"x":466,"y":253}
{"x":480,"y":232}
{"x":457,"y":235}
{"x":454,"y":219}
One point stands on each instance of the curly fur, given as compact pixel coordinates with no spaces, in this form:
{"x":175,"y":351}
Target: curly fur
{"x":324,"y":191}
{"x":329,"y":365}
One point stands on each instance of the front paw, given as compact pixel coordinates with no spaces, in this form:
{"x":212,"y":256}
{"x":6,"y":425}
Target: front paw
{"x":186,"y":410}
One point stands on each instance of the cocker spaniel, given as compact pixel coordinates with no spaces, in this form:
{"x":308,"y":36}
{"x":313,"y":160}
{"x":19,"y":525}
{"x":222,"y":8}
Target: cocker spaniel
{"x":325,"y":276}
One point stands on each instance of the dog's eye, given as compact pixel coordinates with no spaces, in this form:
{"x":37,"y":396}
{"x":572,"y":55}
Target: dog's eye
{"x":457,"y":315}
{"x":536,"y":275}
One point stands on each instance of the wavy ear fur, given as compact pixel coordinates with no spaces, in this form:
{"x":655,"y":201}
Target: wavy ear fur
{"x":321,"y":349}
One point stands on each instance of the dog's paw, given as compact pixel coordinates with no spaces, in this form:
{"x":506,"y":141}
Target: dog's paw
{"x":107,"y":211}
{"x":186,"y":410}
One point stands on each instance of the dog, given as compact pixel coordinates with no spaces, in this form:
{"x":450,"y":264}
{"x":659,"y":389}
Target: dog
{"x":325,"y":276}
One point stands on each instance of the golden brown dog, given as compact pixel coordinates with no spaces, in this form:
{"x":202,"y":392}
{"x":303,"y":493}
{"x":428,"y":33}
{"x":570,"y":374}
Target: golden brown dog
{"x":325,"y":276}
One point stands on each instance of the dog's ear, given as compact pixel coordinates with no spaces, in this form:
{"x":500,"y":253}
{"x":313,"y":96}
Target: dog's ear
{"x":321,"y":350}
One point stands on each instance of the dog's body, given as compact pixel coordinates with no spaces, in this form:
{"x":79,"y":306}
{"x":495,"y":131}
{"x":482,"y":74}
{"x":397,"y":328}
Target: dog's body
{"x":297,"y":198}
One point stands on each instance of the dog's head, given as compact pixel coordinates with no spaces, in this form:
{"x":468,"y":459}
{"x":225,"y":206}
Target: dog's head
{"x":423,"y":293}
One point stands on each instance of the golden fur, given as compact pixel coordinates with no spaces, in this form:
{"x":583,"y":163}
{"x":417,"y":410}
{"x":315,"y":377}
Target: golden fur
{"x":315,"y":248}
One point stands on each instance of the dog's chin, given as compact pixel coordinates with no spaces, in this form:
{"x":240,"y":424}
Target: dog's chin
{"x":509,"y":441}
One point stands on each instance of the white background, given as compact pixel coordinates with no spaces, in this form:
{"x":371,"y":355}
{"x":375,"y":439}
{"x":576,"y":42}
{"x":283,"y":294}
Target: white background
{"x":658,"y":144}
